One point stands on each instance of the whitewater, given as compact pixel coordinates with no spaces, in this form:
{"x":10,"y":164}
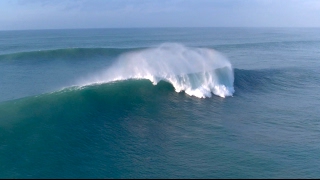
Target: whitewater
{"x":198,"y":72}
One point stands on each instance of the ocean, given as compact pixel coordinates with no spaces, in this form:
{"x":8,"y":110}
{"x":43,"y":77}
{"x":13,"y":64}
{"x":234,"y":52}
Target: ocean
{"x":160,"y":103}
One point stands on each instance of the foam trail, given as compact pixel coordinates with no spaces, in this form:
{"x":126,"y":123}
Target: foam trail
{"x":197,"y":71}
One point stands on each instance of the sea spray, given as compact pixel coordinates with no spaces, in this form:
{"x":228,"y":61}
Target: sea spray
{"x":197,"y":71}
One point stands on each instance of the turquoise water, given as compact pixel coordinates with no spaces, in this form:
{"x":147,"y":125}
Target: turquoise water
{"x":160,"y":103}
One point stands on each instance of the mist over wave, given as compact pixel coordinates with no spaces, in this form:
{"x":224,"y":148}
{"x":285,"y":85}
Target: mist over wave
{"x":197,"y":71}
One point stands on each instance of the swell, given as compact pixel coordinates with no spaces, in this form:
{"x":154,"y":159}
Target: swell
{"x":129,"y":95}
{"x":245,"y":81}
{"x":85,"y":53}
{"x":270,"y":80}
{"x":69,"y":53}
{"x":82,"y":53}
{"x":255,"y":80}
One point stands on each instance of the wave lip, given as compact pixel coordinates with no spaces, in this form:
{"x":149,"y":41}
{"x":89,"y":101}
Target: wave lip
{"x":197,"y":71}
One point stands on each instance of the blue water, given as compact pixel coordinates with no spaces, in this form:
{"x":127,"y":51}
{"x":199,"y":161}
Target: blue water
{"x":160,"y":103}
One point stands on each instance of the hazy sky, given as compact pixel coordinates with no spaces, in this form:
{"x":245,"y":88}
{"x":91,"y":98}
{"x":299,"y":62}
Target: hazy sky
{"x":61,"y":14}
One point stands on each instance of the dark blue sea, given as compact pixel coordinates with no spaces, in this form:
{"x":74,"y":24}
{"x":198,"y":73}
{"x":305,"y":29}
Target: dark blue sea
{"x":160,"y":103}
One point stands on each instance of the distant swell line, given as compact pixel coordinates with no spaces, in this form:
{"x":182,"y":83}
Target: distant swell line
{"x":68,"y":53}
{"x":272,"y":44}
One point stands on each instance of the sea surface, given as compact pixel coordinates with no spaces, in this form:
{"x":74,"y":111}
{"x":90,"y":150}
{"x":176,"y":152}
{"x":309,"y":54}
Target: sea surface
{"x":160,"y":103}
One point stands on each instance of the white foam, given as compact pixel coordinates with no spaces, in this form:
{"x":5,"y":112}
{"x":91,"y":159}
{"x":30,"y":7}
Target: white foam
{"x":197,"y":71}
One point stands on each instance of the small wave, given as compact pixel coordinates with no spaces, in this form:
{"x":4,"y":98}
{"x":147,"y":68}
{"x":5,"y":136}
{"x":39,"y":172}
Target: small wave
{"x":198,"y":72}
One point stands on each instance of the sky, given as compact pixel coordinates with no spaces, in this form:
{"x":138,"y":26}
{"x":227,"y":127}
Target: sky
{"x":72,"y":14}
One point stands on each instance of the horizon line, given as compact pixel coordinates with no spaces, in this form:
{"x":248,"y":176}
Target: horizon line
{"x":169,"y":27}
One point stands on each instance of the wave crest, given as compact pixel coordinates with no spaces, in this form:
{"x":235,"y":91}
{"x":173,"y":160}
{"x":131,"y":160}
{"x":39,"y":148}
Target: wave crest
{"x":197,"y":71}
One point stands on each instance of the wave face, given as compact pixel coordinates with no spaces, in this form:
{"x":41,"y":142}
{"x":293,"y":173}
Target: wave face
{"x":197,"y":71}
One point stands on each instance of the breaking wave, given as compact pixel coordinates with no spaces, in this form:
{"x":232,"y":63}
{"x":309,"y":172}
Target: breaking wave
{"x":198,"y":72}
